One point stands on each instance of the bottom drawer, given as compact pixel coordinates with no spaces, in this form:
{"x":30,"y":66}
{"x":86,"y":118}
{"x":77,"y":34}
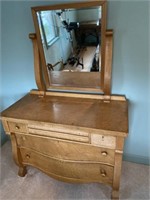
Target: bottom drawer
{"x":82,"y":171}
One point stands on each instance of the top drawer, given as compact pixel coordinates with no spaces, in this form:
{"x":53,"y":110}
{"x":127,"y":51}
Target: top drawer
{"x":61,"y":132}
{"x":17,"y":127}
{"x":58,"y":131}
{"x":49,"y":130}
{"x":60,"y":135}
{"x":107,"y":141}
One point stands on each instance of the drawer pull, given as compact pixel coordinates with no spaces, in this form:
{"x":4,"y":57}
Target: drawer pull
{"x":17,"y":127}
{"x":104,"y":153}
{"x":103,"y":173}
{"x":27,"y":156}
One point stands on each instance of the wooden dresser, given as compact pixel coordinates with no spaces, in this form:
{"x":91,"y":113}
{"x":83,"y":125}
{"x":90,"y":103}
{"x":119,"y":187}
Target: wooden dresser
{"x":75,"y":134}
{"x":75,"y":138}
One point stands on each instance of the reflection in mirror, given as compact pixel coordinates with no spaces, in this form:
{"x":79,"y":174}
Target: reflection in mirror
{"x":71,"y":39}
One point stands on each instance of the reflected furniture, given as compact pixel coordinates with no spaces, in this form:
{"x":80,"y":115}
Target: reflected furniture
{"x":76,"y":137}
{"x":86,"y":30}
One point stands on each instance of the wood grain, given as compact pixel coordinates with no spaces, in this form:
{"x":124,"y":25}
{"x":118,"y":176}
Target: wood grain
{"x":72,"y":137}
{"x":108,"y":62}
{"x":37,"y":65}
{"x":59,"y":135}
{"x":76,"y":80}
{"x":5,"y":126}
{"x":78,"y":112}
{"x":81,"y":95}
{"x":89,"y":172}
{"x":117,"y":167}
{"x":103,"y":141}
{"x":17,"y":156}
{"x":17,"y":127}
{"x":60,"y":149}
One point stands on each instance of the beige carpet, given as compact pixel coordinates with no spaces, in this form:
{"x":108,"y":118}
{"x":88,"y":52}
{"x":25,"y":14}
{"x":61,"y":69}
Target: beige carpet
{"x":36,"y":185}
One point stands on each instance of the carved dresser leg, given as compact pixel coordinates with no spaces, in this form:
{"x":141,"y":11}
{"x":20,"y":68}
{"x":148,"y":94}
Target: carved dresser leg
{"x":17,"y":156}
{"x":22,"y":171}
{"x":117,"y":168}
{"x":115,"y":194}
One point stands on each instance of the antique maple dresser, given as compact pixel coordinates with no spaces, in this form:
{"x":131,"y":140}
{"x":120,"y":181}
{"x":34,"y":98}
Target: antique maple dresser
{"x":71,"y":128}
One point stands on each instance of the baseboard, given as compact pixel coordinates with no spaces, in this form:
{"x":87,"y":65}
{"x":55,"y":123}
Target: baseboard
{"x":136,"y":159}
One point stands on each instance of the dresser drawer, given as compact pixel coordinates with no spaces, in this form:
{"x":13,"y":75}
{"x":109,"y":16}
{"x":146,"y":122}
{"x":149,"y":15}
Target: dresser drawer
{"x":66,"y":150}
{"x":60,"y":135}
{"x":17,"y":127}
{"x":87,"y":172}
{"x":103,"y":141}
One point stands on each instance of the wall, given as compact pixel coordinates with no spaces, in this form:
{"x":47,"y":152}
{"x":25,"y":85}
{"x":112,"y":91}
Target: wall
{"x":89,"y":15}
{"x":17,"y":71}
{"x":3,"y":137}
{"x":129,"y":19}
{"x":17,"y":59}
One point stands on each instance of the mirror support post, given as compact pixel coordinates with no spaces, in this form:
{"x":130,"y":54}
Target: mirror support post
{"x":108,"y":62}
{"x":37,"y":67}
{"x":103,"y":42}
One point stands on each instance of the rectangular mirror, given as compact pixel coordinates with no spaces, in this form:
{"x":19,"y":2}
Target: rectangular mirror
{"x":71,"y":41}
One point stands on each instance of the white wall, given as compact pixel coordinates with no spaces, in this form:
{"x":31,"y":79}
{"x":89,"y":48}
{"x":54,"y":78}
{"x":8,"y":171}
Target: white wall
{"x":89,"y":15}
{"x":61,"y":49}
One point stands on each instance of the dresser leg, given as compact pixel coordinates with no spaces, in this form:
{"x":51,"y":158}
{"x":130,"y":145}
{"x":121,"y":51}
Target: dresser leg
{"x":17,"y":156}
{"x":22,"y":171}
{"x":115,"y":194}
{"x":117,"y":168}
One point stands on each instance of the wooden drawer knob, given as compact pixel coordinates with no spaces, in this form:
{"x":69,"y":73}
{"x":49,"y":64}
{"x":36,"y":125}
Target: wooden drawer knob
{"x":104,"y":153}
{"x":103,"y":173}
{"x":17,"y":127}
{"x":27,"y":156}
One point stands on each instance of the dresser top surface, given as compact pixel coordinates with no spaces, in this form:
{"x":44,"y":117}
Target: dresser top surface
{"x":89,"y":113}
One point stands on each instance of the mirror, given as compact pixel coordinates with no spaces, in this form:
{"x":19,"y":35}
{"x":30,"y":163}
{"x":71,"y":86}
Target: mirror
{"x":71,"y":40}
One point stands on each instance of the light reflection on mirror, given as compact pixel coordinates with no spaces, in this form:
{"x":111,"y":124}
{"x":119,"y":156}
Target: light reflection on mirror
{"x":71,"y":39}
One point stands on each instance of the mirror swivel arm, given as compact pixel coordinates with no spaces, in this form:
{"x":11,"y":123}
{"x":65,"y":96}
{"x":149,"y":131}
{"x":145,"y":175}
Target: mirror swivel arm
{"x":108,"y":62}
{"x":37,"y":66}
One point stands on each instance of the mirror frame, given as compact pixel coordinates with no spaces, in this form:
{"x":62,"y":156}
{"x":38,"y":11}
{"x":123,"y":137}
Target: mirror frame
{"x":76,"y":5}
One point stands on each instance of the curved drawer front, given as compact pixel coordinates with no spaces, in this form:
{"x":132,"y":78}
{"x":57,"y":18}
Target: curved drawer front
{"x":88,"y":172}
{"x":66,"y":150}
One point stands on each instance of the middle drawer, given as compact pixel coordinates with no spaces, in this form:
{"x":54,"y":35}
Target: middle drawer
{"x":66,"y":150}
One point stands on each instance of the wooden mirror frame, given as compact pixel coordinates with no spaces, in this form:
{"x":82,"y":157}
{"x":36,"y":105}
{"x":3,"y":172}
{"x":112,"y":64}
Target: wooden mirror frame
{"x":105,"y":77}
